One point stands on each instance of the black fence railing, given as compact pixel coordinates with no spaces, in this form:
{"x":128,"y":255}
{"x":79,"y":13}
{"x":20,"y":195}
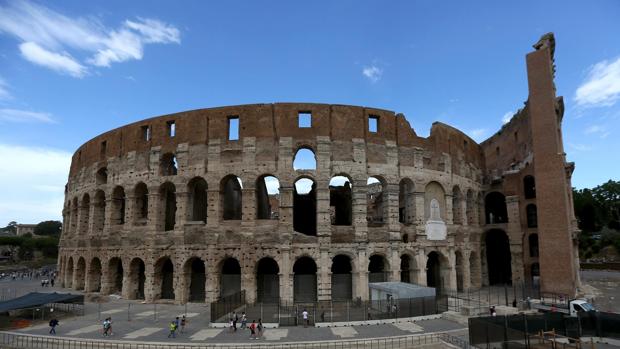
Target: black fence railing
{"x":291,"y":313}
{"x":521,"y":331}
{"x":478,"y":301}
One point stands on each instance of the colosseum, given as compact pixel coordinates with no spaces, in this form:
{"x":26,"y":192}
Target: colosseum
{"x":303,"y":202}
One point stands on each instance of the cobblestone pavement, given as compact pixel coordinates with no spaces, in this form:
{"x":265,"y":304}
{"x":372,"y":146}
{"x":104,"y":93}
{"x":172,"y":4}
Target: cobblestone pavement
{"x":607,"y":285}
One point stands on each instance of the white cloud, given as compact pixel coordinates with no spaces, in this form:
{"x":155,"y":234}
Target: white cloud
{"x":599,"y":130}
{"x":478,"y":134}
{"x":373,"y":73}
{"x":49,"y":36}
{"x":61,"y":62}
{"x":33,"y":183}
{"x":506,"y":117}
{"x":593,"y":129}
{"x":580,"y":147}
{"x":602,"y":86}
{"x":16,"y":115}
{"x":4,"y":90}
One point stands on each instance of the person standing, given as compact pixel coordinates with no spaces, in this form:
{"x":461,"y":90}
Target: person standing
{"x":304,"y":315}
{"x":53,"y":324}
{"x":183,"y":322}
{"x":235,"y":320}
{"x":259,"y":328}
{"x":253,"y":330}
{"x":244,"y":320}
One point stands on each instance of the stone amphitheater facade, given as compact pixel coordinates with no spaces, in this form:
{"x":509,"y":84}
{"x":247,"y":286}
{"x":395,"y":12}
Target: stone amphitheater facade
{"x":178,"y":206}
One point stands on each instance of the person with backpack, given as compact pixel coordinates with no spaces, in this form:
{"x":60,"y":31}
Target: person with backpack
{"x":53,"y":324}
{"x":253,"y":330}
{"x":106,"y":327}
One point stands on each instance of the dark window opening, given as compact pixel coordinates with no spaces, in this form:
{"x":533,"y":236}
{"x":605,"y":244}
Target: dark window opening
{"x":304,"y":280}
{"x":233,"y":128}
{"x":406,"y":202}
{"x":141,"y":194}
{"x":433,"y":271}
{"x":118,"y":206}
{"x":230,"y":283}
{"x":304,"y":119}
{"x":102,"y":176}
{"x":104,"y":149}
{"x":497,"y":151}
{"x":457,"y":216}
{"x":166,"y":277}
{"x":377,"y":271}
{"x":171,"y":128}
{"x":304,"y":206}
{"x":405,"y":269}
{"x":533,"y":243}
{"x":497,"y":248}
{"x":146,"y":133}
{"x":267,"y":281}
{"x":267,"y":198}
{"x":532,"y":216}
{"x":373,"y":123}
{"x":198,"y":200}
{"x":495,"y":208}
{"x":169,"y":205}
{"x":340,"y":201}
{"x":231,"y":198}
{"x":529,"y":187}
{"x":375,"y":208}
{"x":342,"y":281}
{"x":169,"y":165}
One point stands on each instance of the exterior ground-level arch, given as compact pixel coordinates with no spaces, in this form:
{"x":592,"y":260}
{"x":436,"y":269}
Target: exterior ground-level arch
{"x":195,"y":275}
{"x":497,"y":257}
{"x":164,"y":279}
{"x":93,"y":281}
{"x":137,"y":278}
{"x":342,"y":278}
{"x":267,"y":281}
{"x":305,"y":280}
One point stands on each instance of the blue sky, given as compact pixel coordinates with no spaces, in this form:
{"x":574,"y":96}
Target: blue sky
{"x":74,"y":69}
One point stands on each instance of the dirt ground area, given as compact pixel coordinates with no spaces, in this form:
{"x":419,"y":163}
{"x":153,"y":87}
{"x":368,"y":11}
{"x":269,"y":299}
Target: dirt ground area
{"x":605,"y":286}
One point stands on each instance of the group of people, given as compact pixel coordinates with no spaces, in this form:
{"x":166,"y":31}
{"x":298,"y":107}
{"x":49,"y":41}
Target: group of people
{"x":45,"y":273}
{"x":177,"y":325}
{"x":256,"y":329}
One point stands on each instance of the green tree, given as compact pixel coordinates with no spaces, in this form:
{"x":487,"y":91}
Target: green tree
{"x":48,"y":228}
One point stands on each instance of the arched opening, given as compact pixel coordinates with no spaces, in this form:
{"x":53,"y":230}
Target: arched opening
{"x":115,"y":275}
{"x":497,"y":249}
{"x":267,"y":197}
{"x":267,"y":281}
{"x":230,"y":280}
{"x":529,"y":187}
{"x":80,"y":274}
{"x":168,"y":165}
{"x":406,"y":201}
{"x":342,"y":278}
{"x":375,"y":209}
{"x":164,"y":278}
{"x":74,"y":215}
{"x":434,"y":202}
{"x":495,"y":208}
{"x":459,"y":271}
{"x":533,"y":244}
{"x":168,"y":199}
{"x":304,"y":160}
{"x":377,"y":269}
{"x":471,"y":208}
{"x":340,"y":200}
{"x":532,"y":216}
{"x":141,"y":193}
{"x":433,"y":271}
{"x":457,"y":210}
{"x":101,"y":177}
{"x":304,"y":206}
{"x":69,"y":273}
{"x":196,"y":279}
{"x":304,"y":280}
{"x":137,"y":278}
{"x":406,"y":269}
{"x":99,"y":212}
{"x":84,"y":215}
{"x":197,"y":199}
{"x":230,"y":197}
{"x":118,"y":206}
{"x":94,"y":275}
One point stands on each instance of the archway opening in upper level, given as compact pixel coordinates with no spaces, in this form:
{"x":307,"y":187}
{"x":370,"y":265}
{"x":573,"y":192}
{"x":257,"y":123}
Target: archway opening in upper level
{"x":267,"y":197}
{"x":168,"y":166}
{"x":495,"y":208}
{"x":406,"y":201}
{"x":305,"y":159}
{"x":375,"y":201}
{"x":231,"y":198}
{"x":304,"y":206}
{"x":197,"y":199}
{"x":340,"y":200}
{"x":529,"y":187}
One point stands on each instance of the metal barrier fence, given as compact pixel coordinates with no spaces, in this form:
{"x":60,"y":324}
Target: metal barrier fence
{"x":290,"y":314}
{"x":478,"y":301}
{"x":519,"y":331}
{"x":10,"y":340}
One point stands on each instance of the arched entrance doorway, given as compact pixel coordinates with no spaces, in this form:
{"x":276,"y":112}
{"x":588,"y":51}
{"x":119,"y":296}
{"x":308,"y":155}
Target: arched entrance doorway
{"x":94,"y":275}
{"x":304,"y":281}
{"x":136,"y":279}
{"x":377,"y":270}
{"x":267,"y":281}
{"x":497,"y":249}
{"x":80,"y":273}
{"x":230,"y":279}
{"x":195,"y":279}
{"x":433,"y":271}
{"x":459,"y":271}
{"x":69,"y":273}
{"x":342,"y":280}
{"x":164,"y":276}
{"x":405,"y":268}
{"x":115,"y":275}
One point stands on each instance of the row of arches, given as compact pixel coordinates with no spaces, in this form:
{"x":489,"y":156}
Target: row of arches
{"x":137,"y":206}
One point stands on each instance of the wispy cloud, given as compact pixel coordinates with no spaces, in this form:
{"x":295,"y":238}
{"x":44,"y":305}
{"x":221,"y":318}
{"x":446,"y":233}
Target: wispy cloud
{"x":68,"y":44}
{"x":373,"y":73}
{"x":16,"y":115}
{"x":33,"y":184}
{"x":61,"y":62}
{"x":4,"y":90}
{"x":602,"y":86}
{"x":599,"y":130}
{"x":507,"y":116}
{"x":579,"y":147}
{"x":479,"y":134}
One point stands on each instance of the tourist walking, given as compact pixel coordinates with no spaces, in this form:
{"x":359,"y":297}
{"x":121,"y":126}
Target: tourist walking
{"x":230,"y":325}
{"x":173,"y":329}
{"x":106,"y":327}
{"x":304,"y":315}
{"x":259,"y":328}
{"x":244,"y":320}
{"x":53,"y":324}
{"x":253,"y":330}
{"x":183,"y":322}
{"x":235,"y":320}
